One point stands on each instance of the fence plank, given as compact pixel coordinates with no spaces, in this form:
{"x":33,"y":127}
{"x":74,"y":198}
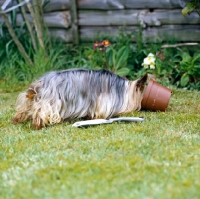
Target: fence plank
{"x":52,"y":20}
{"x":63,"y":19}
{"x":52,"y":5}
{"x":134,"y":17}
{"x":128,"y":4}
{"x":185,"y":33}
{"x":55,"y":5}
{"x":64,"y":35}
{"x":153,"y":34}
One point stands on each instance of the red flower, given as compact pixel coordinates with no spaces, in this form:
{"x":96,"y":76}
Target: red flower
{"x":96,"y":44}
{"x":102,"y":45}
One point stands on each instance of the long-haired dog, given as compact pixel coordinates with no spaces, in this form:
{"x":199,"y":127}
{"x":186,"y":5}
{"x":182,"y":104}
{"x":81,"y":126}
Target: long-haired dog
{"x":78,"y":93}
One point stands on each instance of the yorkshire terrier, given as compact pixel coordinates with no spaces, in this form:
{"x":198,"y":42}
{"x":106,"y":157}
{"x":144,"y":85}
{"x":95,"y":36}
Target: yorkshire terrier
{"x":78,"y":93}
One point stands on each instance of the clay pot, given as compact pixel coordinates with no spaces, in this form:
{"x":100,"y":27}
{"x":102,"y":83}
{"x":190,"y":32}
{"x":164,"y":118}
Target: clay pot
{"x":156,"y":97}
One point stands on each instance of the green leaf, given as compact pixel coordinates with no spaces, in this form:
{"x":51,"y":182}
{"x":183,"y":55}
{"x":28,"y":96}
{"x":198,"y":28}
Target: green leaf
{"x":196,"y":58}
{"x":109,"y":56}
{"x":13,"y":17}
{"x":122,"y":56}
{"x":163,"y":72}
{"x":122,"y":72}
{"x":113,"y":58}
{"x":197,"y":66}
{"x":184,"y":79}
{"x":8,"y":48}
{"x":45,"y":3}
{"x":188,"y":8}
{"x":186,"y":57}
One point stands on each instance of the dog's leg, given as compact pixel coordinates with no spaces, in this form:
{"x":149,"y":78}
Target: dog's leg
{"x":38,"y":123}
{"x":45,"y":113}
{"x":20,"y":117}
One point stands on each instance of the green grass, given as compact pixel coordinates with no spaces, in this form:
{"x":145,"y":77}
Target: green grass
{"x":156,"y":159}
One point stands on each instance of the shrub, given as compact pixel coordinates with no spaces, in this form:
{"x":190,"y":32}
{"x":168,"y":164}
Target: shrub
{"x":177,"y":66}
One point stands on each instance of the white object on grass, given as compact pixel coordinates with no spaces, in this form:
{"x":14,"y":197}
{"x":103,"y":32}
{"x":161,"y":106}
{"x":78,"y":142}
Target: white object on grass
{"x":109,"y":121}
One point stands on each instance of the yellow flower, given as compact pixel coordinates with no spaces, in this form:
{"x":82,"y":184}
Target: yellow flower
{"x":106,"y":43}
{"x":149,"y":61}
{"x":152,"y":65}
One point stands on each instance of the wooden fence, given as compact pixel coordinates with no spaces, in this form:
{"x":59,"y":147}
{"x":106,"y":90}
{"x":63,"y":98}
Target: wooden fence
{"x":84,"y":20}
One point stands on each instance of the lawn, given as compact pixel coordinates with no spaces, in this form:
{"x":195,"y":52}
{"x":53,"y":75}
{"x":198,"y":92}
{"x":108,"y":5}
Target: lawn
{"x":156,"y":159}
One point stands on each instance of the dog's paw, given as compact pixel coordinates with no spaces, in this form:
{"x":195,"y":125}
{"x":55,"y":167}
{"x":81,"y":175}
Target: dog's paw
{"x":14,"y":121}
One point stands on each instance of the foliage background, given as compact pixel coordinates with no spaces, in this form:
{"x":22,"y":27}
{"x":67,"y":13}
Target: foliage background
{"x":179,"y":65}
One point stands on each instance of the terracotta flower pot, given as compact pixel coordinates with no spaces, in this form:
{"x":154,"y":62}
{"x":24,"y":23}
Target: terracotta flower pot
{"x":156,"y":97}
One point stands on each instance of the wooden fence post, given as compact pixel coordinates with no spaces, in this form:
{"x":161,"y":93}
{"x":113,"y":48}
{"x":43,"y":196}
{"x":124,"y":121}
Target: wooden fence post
{"x":74,"y":21}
